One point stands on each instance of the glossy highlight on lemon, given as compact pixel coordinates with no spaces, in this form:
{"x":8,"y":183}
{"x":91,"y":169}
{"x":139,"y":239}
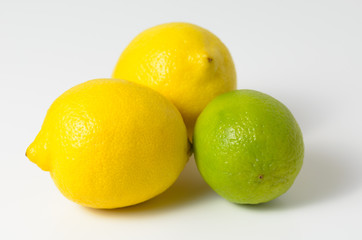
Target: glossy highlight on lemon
{"x":248,"y":147}
{"x":110,"y":143}
{"x":186,"y":63}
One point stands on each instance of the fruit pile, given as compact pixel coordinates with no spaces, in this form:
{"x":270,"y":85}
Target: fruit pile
{"x":111,"y":143}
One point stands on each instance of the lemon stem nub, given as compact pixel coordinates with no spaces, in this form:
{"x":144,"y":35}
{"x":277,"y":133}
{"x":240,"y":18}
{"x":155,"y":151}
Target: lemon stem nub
{"x":38,"y":155}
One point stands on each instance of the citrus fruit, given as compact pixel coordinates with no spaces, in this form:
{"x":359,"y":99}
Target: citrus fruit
{"x":109,"y":143}
{"x":248,"y":146}
{"x":186,"y":63}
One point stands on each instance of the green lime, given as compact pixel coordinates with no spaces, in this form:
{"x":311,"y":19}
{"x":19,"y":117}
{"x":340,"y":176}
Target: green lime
{"x":248,"y":146}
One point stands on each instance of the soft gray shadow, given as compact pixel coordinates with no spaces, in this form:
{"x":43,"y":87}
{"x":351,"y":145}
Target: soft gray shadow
{"x":189,"y":189}
{"x":328,"y":173}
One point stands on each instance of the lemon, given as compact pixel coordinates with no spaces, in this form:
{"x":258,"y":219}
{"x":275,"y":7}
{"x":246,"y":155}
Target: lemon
{"x":248,"y":147}
{"x":186,"y":63}
{"x":109,"y":143}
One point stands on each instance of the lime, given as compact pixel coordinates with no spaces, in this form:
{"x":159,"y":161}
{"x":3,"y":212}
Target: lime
{"x":248,"y":146}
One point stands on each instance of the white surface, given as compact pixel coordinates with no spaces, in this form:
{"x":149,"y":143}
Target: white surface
{"x":307,"y":54}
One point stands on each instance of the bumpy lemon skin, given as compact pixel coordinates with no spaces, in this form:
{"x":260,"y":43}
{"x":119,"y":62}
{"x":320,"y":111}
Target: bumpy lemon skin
{"x":109,"y":143}
{"x":248,"y":147}
{"x":186,"y":63}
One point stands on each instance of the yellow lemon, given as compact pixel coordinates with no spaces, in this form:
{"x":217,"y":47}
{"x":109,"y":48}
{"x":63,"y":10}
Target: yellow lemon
{"x":186,"y":63}
{"x":109,"y":143}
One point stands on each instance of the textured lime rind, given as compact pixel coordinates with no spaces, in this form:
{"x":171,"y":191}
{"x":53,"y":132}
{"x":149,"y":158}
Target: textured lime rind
{"x":248,"y":146}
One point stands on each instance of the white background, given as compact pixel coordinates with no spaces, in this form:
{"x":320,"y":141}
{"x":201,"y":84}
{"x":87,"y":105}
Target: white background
{"x":307,"y":54}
